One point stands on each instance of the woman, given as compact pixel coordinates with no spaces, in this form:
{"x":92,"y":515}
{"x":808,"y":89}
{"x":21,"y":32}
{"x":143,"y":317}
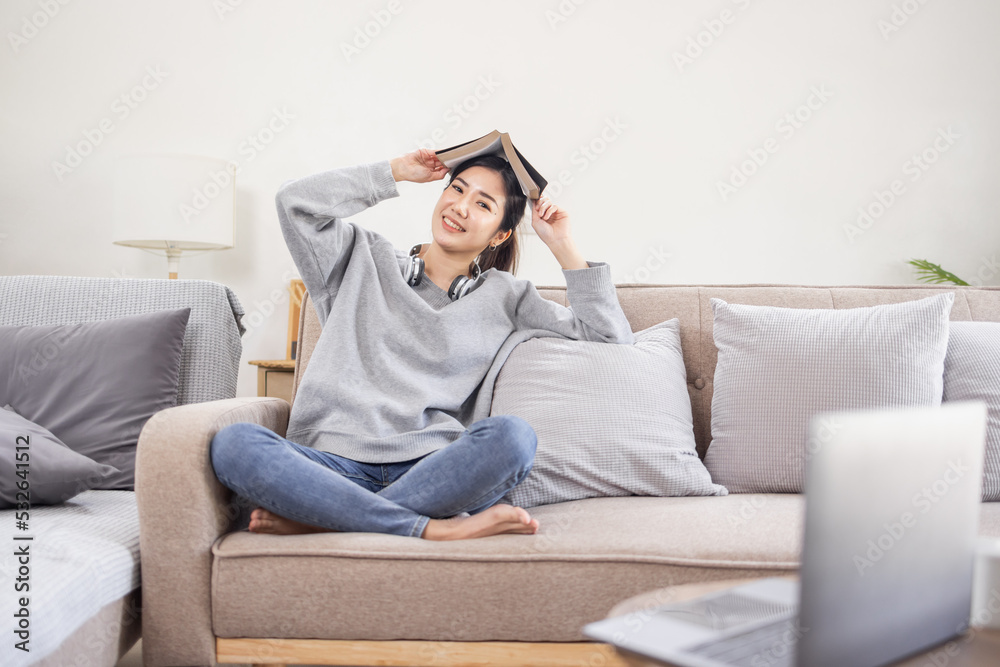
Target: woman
{"x":377,"y":438}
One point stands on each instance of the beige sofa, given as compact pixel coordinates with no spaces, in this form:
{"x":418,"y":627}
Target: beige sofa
{"x":213,"y":592}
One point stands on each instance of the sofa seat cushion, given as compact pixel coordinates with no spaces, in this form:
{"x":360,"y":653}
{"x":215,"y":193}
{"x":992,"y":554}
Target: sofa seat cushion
{"x":587,"y":556}
{"x":84,"y":556}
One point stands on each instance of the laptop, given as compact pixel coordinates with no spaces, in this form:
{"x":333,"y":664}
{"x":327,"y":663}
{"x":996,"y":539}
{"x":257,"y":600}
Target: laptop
{"x":891,"y":523}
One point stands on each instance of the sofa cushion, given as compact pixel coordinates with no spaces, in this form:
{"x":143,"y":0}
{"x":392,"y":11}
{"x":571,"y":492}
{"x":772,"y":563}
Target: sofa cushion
{"x":779,"y":366}
{"x":587,"y":556}
{"x":972,"y":372}
{"x":611,"y":420}
{"x":94,"y":385}
{"x":84,"y":556}
{"x":38,"y":465}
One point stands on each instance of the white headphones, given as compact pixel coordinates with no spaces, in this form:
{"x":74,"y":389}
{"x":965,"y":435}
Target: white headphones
{"x":460,"y":286}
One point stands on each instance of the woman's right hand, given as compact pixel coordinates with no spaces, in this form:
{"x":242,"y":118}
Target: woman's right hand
{"x":420,"y":166}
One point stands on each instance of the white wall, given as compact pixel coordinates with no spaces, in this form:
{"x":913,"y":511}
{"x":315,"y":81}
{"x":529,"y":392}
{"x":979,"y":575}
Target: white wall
{"x":665,"y":133}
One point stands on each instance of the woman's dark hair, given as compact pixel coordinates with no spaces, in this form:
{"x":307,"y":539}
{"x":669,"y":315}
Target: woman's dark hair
{"x":504,"y":258}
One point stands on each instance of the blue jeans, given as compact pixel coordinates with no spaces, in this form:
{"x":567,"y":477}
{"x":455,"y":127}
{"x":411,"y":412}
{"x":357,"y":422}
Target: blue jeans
{"x":322,"y":489}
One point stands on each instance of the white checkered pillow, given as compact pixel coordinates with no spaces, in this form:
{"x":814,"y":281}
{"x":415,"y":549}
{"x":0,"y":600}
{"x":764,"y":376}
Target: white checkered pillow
{"x":972,"y":372}
{"x":779,"y":366}
{"x":611,"y":420}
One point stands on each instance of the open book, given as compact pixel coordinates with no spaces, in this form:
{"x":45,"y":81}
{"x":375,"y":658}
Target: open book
{"x":497,"y":143}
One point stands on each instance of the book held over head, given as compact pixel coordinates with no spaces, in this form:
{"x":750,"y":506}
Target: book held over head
{"x":497,"y":143}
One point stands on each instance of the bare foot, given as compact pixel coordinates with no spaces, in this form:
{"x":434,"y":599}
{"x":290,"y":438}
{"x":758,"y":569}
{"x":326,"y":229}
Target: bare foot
{"x":263,"y":521}
{"x":492,"y":521}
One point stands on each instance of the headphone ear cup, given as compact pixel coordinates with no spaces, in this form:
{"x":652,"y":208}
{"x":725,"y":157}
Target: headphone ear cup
{"x":414,"y":271}
{"x":462,"y":285}
{"x":459,"y":286}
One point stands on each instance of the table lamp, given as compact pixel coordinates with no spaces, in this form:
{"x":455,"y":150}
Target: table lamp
{"x":174,"y":203}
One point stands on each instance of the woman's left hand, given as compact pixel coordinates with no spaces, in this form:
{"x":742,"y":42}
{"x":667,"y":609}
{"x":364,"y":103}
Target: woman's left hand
{"x":549,"y":221}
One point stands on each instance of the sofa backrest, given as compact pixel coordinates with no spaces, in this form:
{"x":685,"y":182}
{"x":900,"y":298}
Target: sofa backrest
{"x":210,"y":360}
{"x":646,"y":305}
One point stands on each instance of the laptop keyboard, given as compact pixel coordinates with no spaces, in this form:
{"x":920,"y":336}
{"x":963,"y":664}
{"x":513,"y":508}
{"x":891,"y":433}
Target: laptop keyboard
{"x":771,"y":645}
{"x":725,"y":611}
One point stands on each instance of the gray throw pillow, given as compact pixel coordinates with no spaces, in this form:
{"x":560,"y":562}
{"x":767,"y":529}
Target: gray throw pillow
{"x":94,"y":385}
{"x":36,"y":465}
{"x":611,"y":420}
{"x":972,"y":372}
{"x":779,"y":366}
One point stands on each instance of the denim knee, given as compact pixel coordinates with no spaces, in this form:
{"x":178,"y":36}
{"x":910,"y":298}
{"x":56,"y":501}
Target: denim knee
{"x":226,"y":444}
{"x":521,"y":438}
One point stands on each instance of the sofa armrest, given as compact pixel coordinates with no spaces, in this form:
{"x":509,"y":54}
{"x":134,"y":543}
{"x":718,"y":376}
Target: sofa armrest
{"x":183,"y":510}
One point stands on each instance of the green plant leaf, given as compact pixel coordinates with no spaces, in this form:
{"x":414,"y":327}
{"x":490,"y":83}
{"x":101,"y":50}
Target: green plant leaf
{"x":930,"y":272}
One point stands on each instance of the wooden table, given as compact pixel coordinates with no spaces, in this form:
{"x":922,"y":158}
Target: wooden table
{"x":979,"y":647}
{"x":274,"y":377}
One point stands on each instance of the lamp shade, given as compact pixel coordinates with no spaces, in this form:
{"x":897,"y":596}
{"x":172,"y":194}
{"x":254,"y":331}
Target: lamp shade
{"x":174,"y":202}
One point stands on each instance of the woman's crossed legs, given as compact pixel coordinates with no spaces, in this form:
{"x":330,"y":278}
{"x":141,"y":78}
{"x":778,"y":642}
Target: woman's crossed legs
{"x":300,"y":489}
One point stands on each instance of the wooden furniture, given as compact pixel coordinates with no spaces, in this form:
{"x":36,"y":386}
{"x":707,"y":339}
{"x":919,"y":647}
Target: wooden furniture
{"x":978,"y":647}
{"x":296,"y":290}
{"x":408,"y":653}
{"x":274,"y":377}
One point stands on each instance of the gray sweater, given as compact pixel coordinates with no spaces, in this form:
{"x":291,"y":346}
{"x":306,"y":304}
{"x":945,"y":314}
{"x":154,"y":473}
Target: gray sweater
{"x":399,"y":371}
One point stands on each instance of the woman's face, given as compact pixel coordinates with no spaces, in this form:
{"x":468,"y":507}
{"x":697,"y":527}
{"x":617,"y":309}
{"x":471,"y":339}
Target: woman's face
{"x":475,"y":202}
